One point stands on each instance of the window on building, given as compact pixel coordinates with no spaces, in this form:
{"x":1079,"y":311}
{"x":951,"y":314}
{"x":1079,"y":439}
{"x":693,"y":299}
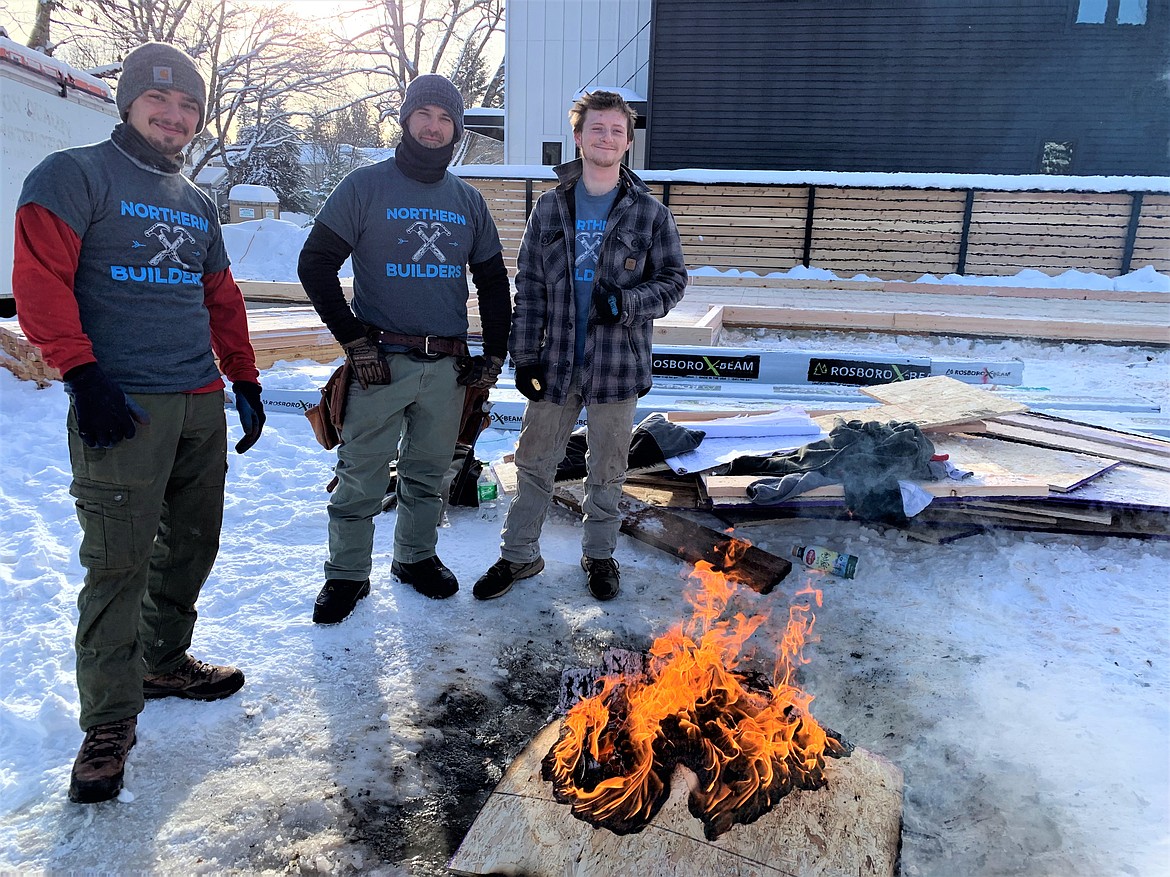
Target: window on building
{"x":1056,"y":158}
{"x":1131,"y":12}
{"x":1097,"y":12}
{"x":1092,"y":11}
{"x":550,"y":152}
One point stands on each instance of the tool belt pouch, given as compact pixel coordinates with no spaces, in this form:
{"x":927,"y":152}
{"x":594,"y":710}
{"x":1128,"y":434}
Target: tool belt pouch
{"x":327,"y":416}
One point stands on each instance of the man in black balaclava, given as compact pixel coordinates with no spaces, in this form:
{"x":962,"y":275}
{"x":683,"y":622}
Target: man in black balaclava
{"x":413,"y":229}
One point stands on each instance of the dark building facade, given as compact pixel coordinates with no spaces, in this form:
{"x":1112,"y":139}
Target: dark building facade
{"x":964,"y":86}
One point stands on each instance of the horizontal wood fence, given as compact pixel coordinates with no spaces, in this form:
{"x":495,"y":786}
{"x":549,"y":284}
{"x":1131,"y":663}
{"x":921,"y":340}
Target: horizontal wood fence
{"x":893,"y":233}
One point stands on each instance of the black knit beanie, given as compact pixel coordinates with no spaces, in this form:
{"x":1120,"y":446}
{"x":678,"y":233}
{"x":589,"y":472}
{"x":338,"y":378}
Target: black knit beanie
{"x":436,"y":90}
{"x":159,"y":65}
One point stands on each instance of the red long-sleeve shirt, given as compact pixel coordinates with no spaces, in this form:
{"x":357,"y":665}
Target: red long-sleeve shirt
{"x":44,"y":264}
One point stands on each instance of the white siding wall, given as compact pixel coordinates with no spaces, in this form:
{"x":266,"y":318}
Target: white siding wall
{"x":553,"y":49}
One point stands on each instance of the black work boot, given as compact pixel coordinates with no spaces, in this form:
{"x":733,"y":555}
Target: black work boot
{"x":428,"y":576}
{"x":337,"y":599}
{"x":604,"y":578}
{"x":501,"y":575}
{"x":101,"y":762}
{"x":194,"y":680}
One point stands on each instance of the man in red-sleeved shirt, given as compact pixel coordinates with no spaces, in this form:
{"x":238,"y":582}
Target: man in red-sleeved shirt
{"x":122,"y":280}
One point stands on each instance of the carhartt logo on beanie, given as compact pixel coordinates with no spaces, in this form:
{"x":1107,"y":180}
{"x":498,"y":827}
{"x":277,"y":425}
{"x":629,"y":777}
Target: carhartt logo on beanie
{"x":435,"y":90}
{"x":158,"y":65}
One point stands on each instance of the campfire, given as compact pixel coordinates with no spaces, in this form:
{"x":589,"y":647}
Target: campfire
{"x":749,"y":739}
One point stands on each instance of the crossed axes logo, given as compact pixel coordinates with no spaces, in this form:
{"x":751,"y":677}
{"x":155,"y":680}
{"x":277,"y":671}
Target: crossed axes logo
{"x":160,"y":231}
{"x":428,"y":233}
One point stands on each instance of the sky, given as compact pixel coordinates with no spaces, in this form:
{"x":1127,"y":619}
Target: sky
{"x":1020,"y":681}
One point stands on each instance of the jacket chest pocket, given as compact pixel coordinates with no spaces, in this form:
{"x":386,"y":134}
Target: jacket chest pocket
{"x":629,"y":251}
{"x":552,"y":251}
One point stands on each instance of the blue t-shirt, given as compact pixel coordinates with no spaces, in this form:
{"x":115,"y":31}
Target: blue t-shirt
{"x":412,"y":243}
{"x":592,"y":215}
{"x":147,"y":239}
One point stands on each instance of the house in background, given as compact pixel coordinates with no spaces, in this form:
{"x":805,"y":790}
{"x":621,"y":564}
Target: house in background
{"x":981,"y":86}
{"x":555,"y":51}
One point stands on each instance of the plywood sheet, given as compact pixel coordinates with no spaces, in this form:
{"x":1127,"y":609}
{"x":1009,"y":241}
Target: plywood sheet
{"x":1063,"y":470}
{"x":1048,"y":439}
{"x":852,"y":827}
{"x":1088,"y":432}
{"x":945,"y":398}
{"x":1126,"y":487}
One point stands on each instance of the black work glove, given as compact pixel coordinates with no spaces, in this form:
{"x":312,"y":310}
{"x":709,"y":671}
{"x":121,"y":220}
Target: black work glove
{"x":105,"y":415}
{"x":530,"y":381}
{"x":367,"y":361}
{"x":607,"y":301}
{"x":251,"y":411}
{"x":479,"y":372}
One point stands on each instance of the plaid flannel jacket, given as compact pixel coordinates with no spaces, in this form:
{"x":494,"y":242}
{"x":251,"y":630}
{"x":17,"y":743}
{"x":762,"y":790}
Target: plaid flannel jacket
{"x":640,"y":252}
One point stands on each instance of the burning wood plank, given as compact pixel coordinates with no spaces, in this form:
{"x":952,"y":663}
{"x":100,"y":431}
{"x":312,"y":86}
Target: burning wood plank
{"x":851,"y":827}
{"x":694,"y":722}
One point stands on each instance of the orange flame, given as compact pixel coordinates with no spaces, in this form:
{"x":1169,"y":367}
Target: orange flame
{"x":749,"y":743}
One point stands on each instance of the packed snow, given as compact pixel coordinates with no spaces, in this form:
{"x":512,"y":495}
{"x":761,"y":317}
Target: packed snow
{"x":1021,"y":682}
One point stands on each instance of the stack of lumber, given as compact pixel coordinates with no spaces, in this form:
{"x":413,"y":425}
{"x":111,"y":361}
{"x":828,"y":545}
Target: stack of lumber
{"x":19,"y":356}
{"x":1031,"y":472}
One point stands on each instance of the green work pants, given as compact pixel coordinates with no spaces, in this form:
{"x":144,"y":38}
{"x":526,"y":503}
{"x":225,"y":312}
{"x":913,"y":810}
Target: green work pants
{"x":150,"y":509}
{"x":415,"y":418}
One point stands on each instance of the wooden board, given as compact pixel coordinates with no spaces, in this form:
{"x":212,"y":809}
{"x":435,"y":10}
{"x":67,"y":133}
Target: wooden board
{"x":851,"y":827}
{"x":732,"y":489}
{"x":690,"y":541}
{"x":1126,"y":487}
{"x":1088,"y":432}
{"x":943,"y":394}
{"x":1063,"y":470}
{"x":1047,"y":439}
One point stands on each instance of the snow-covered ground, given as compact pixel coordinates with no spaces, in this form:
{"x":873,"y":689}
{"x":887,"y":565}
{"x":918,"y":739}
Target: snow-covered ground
{"x":1021,"y":682}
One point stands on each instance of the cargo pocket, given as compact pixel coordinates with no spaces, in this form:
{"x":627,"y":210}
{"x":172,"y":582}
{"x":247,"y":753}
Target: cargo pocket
{"x":107,"y":525}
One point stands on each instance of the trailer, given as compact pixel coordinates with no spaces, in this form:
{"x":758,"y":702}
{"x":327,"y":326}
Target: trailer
{"x":46,"y":105}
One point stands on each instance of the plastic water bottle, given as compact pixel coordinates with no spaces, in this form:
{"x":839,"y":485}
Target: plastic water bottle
{"x":819,"y":557}
{"x":486,"y":490}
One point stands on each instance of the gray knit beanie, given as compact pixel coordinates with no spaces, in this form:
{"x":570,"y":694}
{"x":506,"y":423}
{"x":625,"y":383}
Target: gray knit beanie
{"x":436,"y":90}
{"x":159,"y":65}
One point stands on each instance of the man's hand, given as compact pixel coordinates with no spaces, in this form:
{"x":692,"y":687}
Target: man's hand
{"x":530,"y":381}
{"x":105,"y":415}
{"x":251,"y":411}
{"x":479,"y":372}
{"x":607,"y":301}
{"x":367,"y":361}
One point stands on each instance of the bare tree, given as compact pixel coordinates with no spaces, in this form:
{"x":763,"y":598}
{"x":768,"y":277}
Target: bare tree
{"x":425,"y":36}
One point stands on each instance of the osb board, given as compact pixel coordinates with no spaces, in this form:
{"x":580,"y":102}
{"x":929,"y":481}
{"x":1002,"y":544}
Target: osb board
{"x":1063,"y":470}
{"x":1047,"y":439}
{"x":849,"y":828}
{"x":732,"y":489}
{"x":943,"y":399}
{"x":1088,"y":432}
{"x":1126,"y":487}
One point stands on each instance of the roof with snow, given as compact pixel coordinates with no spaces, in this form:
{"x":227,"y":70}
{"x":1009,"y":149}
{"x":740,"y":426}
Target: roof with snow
{"x":252,"y":192}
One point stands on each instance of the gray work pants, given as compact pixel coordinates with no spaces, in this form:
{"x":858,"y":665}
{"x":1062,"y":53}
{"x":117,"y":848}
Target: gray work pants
{"x":415,"y":418}
{"x":150,"y":509}
{"x":543,"y":436}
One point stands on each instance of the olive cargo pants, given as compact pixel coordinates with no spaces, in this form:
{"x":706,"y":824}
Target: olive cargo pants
{"x":150,"y":510}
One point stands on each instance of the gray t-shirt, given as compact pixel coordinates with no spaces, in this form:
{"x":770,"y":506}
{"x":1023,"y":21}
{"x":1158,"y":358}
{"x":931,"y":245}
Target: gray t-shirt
{"x":592,"y":218}
{"x":412,"y":243}
{"x":147,"y":239}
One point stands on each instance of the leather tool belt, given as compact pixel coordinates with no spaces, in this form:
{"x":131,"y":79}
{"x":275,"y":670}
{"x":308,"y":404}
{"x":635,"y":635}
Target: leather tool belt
{"x":428,"y":345}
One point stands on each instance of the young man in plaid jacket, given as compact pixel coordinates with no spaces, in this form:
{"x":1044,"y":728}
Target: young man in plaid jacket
{"x":600,"y":261}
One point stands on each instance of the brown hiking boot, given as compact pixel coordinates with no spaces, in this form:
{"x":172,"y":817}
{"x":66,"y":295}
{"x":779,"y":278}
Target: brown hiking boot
{"x":101,"y":762}
{"x":194,"y":680}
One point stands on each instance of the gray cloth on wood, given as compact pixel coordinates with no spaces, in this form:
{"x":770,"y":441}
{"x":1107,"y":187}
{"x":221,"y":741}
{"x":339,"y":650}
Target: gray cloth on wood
{"x":867,"y":457}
